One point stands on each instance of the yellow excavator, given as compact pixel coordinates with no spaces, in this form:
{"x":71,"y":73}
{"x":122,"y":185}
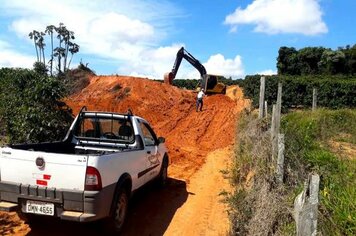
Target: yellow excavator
{"x":210,"y":83}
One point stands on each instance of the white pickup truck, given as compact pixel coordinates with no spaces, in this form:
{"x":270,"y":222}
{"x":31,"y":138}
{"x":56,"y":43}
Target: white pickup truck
{"x":90,"y":175}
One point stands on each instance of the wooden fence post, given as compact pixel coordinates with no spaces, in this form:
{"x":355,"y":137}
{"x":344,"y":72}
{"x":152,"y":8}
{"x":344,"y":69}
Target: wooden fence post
{"x":262,"y":97}
{"x":315,"y":94}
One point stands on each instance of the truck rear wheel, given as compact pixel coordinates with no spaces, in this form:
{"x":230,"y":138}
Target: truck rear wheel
{"x":120,"y":213}
{"x":115,"y":223}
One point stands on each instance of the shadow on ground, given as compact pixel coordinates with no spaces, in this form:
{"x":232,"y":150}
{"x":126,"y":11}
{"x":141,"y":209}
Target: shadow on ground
{"x":150,"y":213}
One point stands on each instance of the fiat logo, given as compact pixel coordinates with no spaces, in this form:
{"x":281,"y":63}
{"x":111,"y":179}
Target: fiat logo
{"x":40,"y":163}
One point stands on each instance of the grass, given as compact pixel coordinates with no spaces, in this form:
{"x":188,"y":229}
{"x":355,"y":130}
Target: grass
{"x":256,"y":211}
{"x":307,"y":136}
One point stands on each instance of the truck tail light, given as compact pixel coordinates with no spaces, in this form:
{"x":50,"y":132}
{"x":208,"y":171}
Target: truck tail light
{"x":92,"y":179}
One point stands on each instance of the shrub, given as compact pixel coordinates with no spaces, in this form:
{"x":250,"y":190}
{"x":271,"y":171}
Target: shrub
{"x":30,"y":106}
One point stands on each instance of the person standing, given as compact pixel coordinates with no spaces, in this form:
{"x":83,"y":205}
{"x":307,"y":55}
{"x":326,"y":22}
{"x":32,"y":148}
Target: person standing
{"x":200,"y":96}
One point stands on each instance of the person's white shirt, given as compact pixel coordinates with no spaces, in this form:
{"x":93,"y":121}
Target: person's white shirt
{"x":201,"y":94}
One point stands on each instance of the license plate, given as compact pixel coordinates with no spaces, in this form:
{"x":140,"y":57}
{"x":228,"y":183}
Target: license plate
{"x":41,"y":208}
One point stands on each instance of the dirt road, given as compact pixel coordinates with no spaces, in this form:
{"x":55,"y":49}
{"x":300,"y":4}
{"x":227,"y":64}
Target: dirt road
{"x":204,"y":212}
{"x":200,"y":148}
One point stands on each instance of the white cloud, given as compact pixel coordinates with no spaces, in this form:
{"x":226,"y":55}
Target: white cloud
{"x":126,"y":32}
{"x":267,"y":72}
{"x":10,"y":58}
{"x":280,"y":16}
{"x":154,"y":63}
{"x":219,"y":65}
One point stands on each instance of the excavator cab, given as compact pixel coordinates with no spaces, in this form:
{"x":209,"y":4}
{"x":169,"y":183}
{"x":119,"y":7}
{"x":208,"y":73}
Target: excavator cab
{"x":210,"y":83}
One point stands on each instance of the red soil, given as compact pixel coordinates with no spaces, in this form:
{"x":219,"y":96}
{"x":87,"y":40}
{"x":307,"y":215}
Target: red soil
{"x":190,"y":135}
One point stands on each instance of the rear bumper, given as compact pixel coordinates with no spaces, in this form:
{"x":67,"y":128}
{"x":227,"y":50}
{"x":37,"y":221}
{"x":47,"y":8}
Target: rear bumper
{"x":81,"y":206}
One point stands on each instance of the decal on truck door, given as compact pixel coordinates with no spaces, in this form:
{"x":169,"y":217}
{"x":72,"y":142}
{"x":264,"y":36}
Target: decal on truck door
{"x":153,"y":156}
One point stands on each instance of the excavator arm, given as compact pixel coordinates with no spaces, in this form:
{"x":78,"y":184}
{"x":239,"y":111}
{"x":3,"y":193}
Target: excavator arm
{"x":208,"y":82}
{"x":182,"y":53}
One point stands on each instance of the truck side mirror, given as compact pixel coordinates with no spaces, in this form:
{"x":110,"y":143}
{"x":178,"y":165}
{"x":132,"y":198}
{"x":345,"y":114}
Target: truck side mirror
{"x":161,"y":140}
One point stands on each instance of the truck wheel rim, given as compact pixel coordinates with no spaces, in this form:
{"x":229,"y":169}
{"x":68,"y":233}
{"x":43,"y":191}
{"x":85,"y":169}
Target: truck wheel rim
{"x":121,"y":211}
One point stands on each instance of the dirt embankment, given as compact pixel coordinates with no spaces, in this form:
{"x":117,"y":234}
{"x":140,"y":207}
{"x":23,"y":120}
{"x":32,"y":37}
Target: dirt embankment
{"x":190,"y":135}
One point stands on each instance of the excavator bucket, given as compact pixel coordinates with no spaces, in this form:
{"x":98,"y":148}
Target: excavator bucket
{"x":168,"y":78}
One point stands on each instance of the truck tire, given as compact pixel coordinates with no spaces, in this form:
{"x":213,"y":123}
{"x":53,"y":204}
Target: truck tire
{"x":120,"y":211}
{"x":163,"y":173}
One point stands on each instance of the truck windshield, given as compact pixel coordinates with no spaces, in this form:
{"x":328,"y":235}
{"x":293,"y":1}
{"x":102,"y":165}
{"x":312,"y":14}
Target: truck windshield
{"x":105,"y":129}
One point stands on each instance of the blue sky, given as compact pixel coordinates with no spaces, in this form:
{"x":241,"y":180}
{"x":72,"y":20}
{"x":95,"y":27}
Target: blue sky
{"x":141,"y":37}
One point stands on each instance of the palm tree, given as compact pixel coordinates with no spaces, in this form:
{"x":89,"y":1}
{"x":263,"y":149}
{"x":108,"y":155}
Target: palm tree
{"x":60,"y":51}
{"x":35,"y":35}
{"x":49,"y":30}
{"x":41,"y":45}
{"x":69,"y":35}
{"x":74,"y":48}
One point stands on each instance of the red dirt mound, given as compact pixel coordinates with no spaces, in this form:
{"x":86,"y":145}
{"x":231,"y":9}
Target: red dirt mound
{"x":190,"y":135}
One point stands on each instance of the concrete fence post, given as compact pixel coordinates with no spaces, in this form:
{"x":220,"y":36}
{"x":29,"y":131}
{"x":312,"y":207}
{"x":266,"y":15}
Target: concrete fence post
{"x":266,"y":109}
{"x":262,"y":97}
{"x":273,"y":131}
{"x":315,"y":95}
{"x":276,"y":122}
{"x":280,"y":159}
{"x":278,"y":108}
{"x":306,"y":207}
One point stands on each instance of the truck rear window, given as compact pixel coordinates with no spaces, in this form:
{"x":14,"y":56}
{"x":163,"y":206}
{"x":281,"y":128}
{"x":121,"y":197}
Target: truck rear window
{"x":105,"y":129}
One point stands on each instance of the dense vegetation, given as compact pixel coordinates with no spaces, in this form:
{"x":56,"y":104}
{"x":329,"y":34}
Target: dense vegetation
{"x":30,"y":107}
{"x":261,"y":207}
{"x":316,"y":61}
{"x":333,"y":91}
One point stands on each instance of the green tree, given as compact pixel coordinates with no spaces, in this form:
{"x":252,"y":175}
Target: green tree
{"x":332,"y":62}
{"x":287,"y":61}
{"x":350,"y":57}
{"x":35,"y":36}
{"x":49,"y":30}
{"x":30,"y":106}
{"x":65,"y":46}
{"x":308,"y":59}
{"x":73,"y":48}
{"x":41,"y":45}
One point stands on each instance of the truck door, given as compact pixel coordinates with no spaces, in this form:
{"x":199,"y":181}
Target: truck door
{"x":153,"y":157}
